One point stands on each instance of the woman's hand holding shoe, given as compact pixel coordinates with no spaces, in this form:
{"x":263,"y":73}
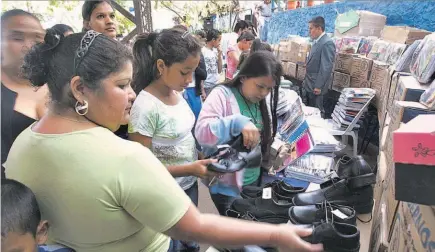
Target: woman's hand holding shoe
{"x":251,"y":135}
{"x":289,"y":239}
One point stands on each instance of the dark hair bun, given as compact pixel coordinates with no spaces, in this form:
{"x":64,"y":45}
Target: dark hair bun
{"x":35,"y":67}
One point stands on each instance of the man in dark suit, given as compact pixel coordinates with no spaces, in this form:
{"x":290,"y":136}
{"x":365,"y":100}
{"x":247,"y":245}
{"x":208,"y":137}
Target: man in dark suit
{"x":319,"y":65}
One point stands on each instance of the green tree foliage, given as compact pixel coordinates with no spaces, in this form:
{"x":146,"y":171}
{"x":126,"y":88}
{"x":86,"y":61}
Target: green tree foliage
{"x":192,"y":11}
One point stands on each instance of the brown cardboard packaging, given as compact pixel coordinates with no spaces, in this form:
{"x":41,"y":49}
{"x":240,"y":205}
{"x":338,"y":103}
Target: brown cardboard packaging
{"x":359,"y":82}
{"x":340,"y":81}
{"x":409,"y":89}
{"x":389,"y":193}
{"x":413,"y":227}
{"x":284,"y":65}
{"x":403,"y":34}
{"x":421,"y":224}
{"x":292,"y":69}
{"x":380,"y":178}
{"x":361,"y":67}
{"x":379,"y":232}
{"x":403,"y":112}
{"x":343,"y":62}
{"x":398,"y":233}
{"x":298,"y":51}
{"x":393,"y":88}
{"x":370,"y":24}
{"x":378,"y":79}
{"x":301,"y":72}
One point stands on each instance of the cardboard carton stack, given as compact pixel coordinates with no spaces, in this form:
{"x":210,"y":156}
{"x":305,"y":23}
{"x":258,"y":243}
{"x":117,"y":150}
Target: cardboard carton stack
{"x":293,"y":53}
{"x":404,"y":200}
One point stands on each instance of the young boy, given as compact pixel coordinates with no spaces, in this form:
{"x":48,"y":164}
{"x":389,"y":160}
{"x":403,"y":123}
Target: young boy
{"x":213,"y":59}
{"x":22,"y":229}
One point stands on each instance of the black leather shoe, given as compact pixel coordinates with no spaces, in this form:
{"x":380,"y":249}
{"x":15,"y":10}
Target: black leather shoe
{"x":281,"y":189}
{"x":260,"y":208}
{"x":335,"y":237}
{"x":357,"y":170}
{"x":301,"y":215}
{"x":337,"y":191}
{"x":235,"y":157}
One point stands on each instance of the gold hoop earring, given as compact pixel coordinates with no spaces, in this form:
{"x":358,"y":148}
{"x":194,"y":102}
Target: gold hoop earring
{"x":82,"y":109}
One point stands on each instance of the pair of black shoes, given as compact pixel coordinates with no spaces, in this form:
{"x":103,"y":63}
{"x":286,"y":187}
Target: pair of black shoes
{"x":273,"y":208}
{"x":352,"y":187}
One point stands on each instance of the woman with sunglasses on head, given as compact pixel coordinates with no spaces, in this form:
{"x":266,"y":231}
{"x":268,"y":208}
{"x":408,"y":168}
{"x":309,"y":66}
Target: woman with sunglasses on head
{"x":101,"y":192}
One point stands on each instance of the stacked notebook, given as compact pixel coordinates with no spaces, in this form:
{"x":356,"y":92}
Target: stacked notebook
{"x":295,"y":132}
{"x":350,"y":103}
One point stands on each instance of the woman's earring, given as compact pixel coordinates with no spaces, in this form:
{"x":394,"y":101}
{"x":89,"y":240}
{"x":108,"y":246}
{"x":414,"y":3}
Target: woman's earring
{"x":82,"y":109}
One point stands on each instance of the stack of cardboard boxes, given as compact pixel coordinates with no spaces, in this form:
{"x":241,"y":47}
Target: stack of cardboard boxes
{"x":293,"y":53}
{"x":404,"y":214}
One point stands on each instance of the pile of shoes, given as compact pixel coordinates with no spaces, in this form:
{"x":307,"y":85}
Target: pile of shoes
{"x":330,"y":210}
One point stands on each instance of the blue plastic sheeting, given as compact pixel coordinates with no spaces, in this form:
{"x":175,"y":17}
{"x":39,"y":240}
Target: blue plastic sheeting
{"x":418,"y":14}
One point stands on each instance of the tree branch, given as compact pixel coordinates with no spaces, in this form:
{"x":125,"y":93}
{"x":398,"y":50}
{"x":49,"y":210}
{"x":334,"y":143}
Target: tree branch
{"x":169,"y":8}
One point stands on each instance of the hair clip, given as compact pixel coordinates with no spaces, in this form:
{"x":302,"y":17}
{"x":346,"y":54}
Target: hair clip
{"x":185,"y":34}
{"x":85,"y":44}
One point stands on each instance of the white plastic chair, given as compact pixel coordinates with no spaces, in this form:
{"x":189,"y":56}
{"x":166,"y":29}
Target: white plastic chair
{"x":350,"y":129}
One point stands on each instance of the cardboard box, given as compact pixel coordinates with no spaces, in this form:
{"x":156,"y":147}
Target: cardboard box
{"x":343,"y":62}
{"x":420,"y":223}
{"x":403,"y":34}
{"x":403,"y":112}
{"x":378,"y":79}
{"x":393,"y":87}
{"x":413,"y":227}
{"x":361,"y":67}
{"x":379,"y":231}
{"x":381,"y":175}
{"x":359,"y":82}
{"x":388,"y":195}
{"x":369,"y":24}
{"x":340,"y":81}
{"x":292,"y":69}
{"x":409,"y":89}
{"x":301,"y":72}
{"x":414,"y":158}
{"x":398,"y":232}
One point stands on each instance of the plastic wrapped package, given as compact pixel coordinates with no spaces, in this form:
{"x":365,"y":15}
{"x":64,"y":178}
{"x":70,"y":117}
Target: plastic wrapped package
{"x":338,"y":42}
{"x":366,"y":45}
{"x":428,"y":97}
{"x":350,"y":44}
{"x":404,"y":62}
{"x":378,"y":50}
{"x":424,"y":66}
{"x":393,"y":53}
{"x":324,"y":142}
{"x":315,"y":168}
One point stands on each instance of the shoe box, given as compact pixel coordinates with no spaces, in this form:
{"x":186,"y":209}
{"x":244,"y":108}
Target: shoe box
{"x":403,"y":112}
{"x":412,"y":229}
{"x":414,"y":160}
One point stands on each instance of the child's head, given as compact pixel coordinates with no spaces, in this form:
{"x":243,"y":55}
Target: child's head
{"x":169,"y":57}
{"x":214,"y":38}
{"x":245,"y":40}
{"x":257,"y":45}
{"x":260,"y":74}
{"x":22,"y":228}
{"x":242,"y":58}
